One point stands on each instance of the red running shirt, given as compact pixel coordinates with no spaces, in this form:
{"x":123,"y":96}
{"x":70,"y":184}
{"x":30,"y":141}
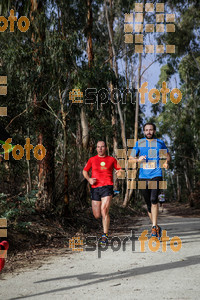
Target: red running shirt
{"x":102,"y":169}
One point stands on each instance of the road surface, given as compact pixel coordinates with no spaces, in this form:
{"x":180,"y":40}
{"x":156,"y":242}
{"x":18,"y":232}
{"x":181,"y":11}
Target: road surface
{"x":118,"y":274}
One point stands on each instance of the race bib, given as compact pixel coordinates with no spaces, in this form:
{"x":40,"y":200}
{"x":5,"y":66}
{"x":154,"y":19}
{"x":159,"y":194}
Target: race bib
{"x":149,"y":165}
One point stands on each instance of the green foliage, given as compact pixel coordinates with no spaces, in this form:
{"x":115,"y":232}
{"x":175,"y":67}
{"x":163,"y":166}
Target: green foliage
{"x":17,"y":209}
{"x":52,"y":56}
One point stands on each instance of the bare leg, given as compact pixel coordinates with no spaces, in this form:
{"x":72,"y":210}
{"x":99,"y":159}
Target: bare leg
{"x":150,"y":216}
{"x":154,"y":213}
{"x":96,"y":209}
{"x":105,"y":205}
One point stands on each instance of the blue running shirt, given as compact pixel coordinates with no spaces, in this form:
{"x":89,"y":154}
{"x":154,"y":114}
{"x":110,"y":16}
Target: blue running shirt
{"x":155,"y":150}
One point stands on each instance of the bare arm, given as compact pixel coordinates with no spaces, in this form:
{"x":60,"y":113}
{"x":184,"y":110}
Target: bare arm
{"x":168,"y":159}
{"x":90,"y":180}
{"x":135,"y":159}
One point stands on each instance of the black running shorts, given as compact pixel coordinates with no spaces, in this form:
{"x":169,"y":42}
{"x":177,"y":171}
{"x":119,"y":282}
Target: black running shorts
{"x":151,"y":195}
{"x":100,"y":192}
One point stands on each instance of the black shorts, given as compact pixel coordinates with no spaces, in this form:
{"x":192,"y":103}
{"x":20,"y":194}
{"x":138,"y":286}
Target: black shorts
{"x":151,"y":195}
{"x":102,"y":191}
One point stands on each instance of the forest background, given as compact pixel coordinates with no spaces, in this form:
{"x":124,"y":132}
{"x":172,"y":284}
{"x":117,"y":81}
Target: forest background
{"x":81,"y":45}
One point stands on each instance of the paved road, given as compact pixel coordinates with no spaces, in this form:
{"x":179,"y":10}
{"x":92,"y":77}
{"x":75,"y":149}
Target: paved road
{"x":118,"y":275}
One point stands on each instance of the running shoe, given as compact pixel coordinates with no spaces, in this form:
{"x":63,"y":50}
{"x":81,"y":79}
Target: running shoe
{"x":104,"y":239}
{"x":154,"y":232}
{"x":159,"y":232}
{"x":115,"y":193}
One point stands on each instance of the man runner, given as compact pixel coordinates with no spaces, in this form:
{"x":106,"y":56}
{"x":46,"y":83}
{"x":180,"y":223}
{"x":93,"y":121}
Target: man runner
{"x":150,"y":172}
{"x":101,"y":183}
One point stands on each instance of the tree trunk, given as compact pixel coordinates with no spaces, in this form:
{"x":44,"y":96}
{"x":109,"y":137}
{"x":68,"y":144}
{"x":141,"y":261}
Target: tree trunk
{"x":83,"y":117}
{"x":130,"y":192}
{"x":178,"y":188}
{"x":113,"y":114}
{"x":173,"y":186}
{"x":64,"y":122}
{"x":29,"y":184}
{"x":115,"y":68}
{"x":114,"y":128}
{"x":89,"y":33}
{"x":46,"y":176}
{"x":85,"y":128}
{"x":137,"y":97}
{"x":188,"y":185}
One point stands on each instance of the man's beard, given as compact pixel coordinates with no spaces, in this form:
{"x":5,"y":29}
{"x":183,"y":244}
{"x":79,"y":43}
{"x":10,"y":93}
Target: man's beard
{"x":149,"y":137}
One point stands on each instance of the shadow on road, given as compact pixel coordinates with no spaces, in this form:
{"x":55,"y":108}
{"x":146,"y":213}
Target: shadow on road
{"x":189,"y":261}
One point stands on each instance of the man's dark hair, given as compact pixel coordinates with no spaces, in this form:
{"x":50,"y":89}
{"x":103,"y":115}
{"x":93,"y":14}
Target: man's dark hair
{"x":102,"y":141}
{"x":149,"y":123}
